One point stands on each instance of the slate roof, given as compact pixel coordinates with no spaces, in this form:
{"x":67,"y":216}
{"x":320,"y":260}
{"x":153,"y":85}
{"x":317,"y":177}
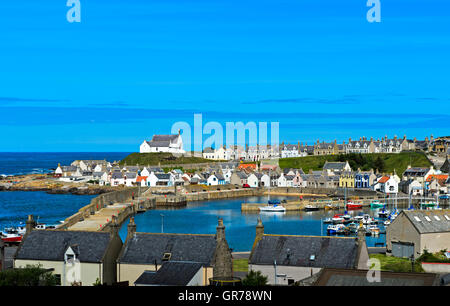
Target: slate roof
{"x":145,"y":248}
{"x":417,"y":172}
{"x":296,"y":251}
{"x":164,"y":137}
{"x":434,"y":226}
{"x":116,"y":175}
{"x":171,"y":273}
{"x":345,"y":277}
{"x":334,"y":165}
{"x":52,"y":244}
{"x":163,"y":176}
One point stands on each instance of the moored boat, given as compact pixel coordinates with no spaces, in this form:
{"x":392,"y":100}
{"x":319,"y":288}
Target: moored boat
{"x":272,"y":208}
{"x":350,"y":205}
{"x":376,"y":204}
{"x":311,"y":208}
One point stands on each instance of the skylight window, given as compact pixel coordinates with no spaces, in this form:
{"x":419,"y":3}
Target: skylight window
{"x":446,"y":217}
{"x":437,"y":218}
{"x":427,"y":218}
{"x":417,"y":219}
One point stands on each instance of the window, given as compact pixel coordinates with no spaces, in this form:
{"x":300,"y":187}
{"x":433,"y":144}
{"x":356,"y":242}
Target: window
{"x":437,"y":218}
{"x":166,"y":256}
{"x":417,"y":219}
{"x":427,"y":218}
{"x":446,"y":217}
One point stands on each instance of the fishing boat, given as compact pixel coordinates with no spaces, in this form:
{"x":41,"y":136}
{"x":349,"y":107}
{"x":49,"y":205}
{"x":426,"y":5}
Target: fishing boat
{"x":328,"y":220}
{"x":387,"y":222}
{"x":351,"y":205}
{"x":311,"y":208}
{"x":384,"y":213}
{"x":11,"y":235}
{"x":272,"y":208}
{"x":428,"y":204}
{"x":373,"y":230}
{"x":353,"y":227}
{"x":334,"y":229}
{"x":376,"y":204}
{"x":338,"y":218}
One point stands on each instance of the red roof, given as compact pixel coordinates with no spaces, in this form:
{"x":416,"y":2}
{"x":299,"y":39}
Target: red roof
{"x":384,"y":179}
{"x":440,"y":177}
{"x":141,"y":178}
{"x":246,"y":166}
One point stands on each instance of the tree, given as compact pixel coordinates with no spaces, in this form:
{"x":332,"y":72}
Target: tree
{"x":379,"y":164}
{"x":254,"y":278}
{"x":31,"y":275}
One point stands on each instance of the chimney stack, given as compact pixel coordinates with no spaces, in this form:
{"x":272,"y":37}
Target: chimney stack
{"x":131,"y":228}
{"x":114,"y":226}
{"x":223,"y":261}
{"x":30,"y":224}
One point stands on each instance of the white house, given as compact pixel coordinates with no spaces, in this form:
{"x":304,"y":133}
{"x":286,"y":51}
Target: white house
{"x":388,"y":184}
{"x":254,"y":180}
{"x":160,"y":179}
{"x":163,"y":143}
{"x":289,"y":150}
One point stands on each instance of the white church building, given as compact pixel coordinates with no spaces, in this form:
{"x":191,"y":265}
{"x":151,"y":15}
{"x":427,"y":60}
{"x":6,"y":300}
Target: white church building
{"x":163,"y":143}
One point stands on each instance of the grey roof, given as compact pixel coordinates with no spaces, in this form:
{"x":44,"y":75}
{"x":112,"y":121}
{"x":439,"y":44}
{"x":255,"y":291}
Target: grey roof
{"x":131,"y":175}
{"x":297,"y":250}
{"x":97,"y":174}
{"x":164,"y":137}
{"x":416,"y":171}
{"x":289,"y":177}
{"x":52,"y":244}
{"x":158,"y":143}
{"x":208,"y":150}
{"x":145,"y":248}
{"x":171,"y":273}
{"x":334,"y":165}
{"x":241,"y":175}
{"x":162,"y":176}
{"x":116,"y":175}
{"x":424,"y":226}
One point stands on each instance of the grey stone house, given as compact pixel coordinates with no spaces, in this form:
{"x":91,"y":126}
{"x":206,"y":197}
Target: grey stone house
{"x":150,"y":251}
{"x":286,"y":259}
{"x":415,"y":230}
{"x":75,"y":256}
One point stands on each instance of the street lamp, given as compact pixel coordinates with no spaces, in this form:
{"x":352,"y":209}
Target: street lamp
{"x":162,"y":223}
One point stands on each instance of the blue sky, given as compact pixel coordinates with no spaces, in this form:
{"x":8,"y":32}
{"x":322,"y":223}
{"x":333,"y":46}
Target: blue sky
{"x":131,"y":69}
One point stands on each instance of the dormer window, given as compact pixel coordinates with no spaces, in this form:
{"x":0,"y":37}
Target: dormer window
{"x":166,"y":256}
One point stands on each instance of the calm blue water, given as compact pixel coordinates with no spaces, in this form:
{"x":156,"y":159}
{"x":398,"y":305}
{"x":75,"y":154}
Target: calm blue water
{"x":201,"y":218}
{"x":15,"y":206}
{"x":28,"y":163}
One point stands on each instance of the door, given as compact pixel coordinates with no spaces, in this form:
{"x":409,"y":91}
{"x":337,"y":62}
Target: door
{"x":402,"y":249}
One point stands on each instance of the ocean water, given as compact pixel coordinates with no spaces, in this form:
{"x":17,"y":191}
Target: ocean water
{"x":43,"y":162}
{"x":15,"y":206}
{"x":201,"y":218}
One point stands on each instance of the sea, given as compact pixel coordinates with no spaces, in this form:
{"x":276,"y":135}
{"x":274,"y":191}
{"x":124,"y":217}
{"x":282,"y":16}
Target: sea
{"x":197,"y":217}
{"x":15,"y":206}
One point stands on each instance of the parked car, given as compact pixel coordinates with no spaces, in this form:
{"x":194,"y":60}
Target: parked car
{"x":246,"y":186}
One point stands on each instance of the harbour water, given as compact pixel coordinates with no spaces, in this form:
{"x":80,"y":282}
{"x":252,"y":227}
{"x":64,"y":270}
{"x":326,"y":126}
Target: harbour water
{"x":201,"y":218}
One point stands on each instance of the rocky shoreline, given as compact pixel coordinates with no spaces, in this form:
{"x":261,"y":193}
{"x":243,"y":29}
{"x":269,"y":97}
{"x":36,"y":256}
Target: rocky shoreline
{"x":64,"y":190}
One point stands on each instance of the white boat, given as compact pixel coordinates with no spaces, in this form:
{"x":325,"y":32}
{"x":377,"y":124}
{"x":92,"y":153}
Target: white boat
{"x":334,"y":229}
{"x":387,"y":222}
{"x":311,"y":208}
{"x":272,"y":208}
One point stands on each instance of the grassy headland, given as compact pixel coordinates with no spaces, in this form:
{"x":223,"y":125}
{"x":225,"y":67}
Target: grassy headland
{"x":384,"y":162}
{"x":154,"y":159}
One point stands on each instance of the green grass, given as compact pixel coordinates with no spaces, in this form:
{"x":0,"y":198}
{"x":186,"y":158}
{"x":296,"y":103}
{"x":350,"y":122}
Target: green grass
{"x":240,"y":265}
{"x":398,"y":162}
{"x":391,"y":263}
{"x":154,"y":159}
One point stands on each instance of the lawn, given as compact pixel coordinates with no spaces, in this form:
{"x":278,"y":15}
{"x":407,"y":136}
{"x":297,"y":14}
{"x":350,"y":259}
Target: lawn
{"x":153,"y":159}
{"x":240,"y":265}
{"x":391,"y":263}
